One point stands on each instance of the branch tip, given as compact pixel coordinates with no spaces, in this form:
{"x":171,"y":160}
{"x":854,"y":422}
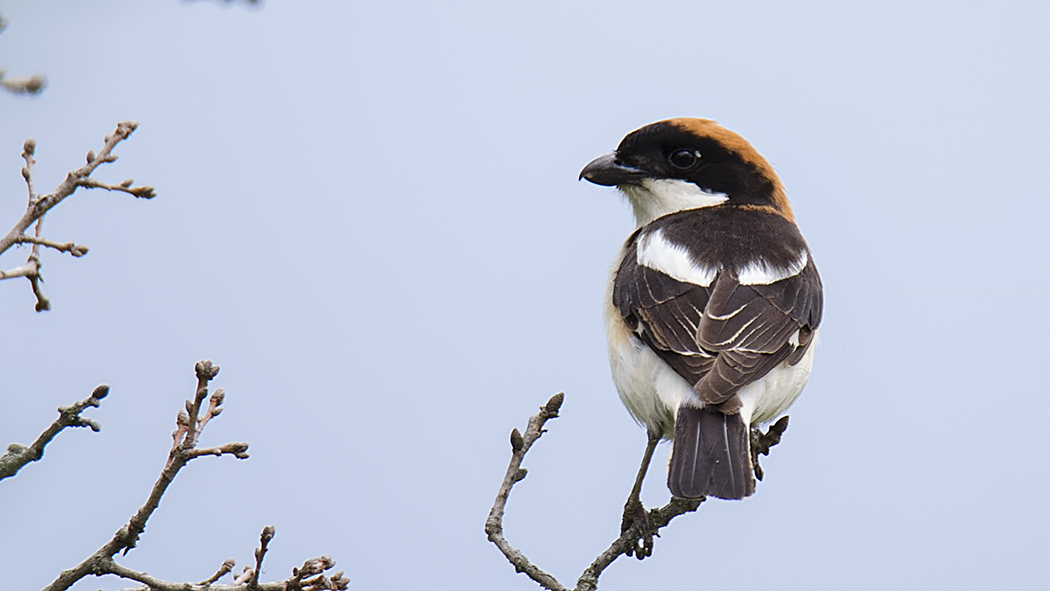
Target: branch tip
{"x":206,"y":370}
{"x":100,"y":392}
{"x":554,"y":405}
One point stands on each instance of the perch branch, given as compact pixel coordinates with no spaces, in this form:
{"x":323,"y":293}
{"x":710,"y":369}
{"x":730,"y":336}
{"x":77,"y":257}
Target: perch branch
{"x":520,"y":445}
{"x":623,"y":545}
{"x":18,"y":456}
{"x":658,"y":518}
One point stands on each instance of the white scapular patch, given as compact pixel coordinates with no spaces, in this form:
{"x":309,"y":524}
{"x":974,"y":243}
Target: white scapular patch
{"x":658,"y":197}
{"x":760,"y":273}
{"x":658,"y":254}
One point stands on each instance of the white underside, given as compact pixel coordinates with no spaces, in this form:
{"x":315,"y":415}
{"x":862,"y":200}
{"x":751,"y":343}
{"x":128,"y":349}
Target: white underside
{"x":652,"y":391}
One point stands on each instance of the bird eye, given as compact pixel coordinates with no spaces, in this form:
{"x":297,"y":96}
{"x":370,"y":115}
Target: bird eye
{"x":683,"y":159}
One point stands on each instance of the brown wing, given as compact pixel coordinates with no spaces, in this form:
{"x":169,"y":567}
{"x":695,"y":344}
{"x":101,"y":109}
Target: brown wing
{"x":723,"y":336}
{"x":753,"y":328}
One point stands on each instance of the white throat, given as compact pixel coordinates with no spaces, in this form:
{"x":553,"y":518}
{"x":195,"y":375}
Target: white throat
{"x":658,"y":197}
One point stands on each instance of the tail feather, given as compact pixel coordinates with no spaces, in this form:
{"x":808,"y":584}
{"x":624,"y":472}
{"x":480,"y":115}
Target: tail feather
{"x":711,"y":455}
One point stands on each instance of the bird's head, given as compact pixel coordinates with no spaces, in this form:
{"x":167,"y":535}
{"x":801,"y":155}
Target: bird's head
{"x":687,"y":163}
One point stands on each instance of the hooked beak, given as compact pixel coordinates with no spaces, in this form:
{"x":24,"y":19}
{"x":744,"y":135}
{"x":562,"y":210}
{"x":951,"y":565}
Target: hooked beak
{"x":606,"y":171}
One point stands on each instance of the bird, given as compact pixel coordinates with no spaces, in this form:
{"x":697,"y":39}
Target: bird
{"x":713,"y":306}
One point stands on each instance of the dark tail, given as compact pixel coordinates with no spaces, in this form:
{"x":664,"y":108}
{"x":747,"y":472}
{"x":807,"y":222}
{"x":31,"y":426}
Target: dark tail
{"x":711,"y":455}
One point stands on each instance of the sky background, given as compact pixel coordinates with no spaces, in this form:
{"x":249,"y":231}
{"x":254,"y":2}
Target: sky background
{"x":369,"y":216}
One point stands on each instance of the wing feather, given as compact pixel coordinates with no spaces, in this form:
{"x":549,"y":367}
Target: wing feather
{"x":723,"y":336}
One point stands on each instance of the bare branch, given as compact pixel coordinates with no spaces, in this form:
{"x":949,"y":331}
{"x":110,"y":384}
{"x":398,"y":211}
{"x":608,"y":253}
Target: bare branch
{"x":23,"y":271}
{"x":124,"y":187}
{"x":39,"y":205}
{"x":28,"y":150}
{"x":623,"y":545}
{"x":658,"y":518}
{"x":298,"y":581}
{"x":127,"y":537}
{"x":224,"y":569}
{"x":18,"y":456}
{"x":260,"y":553}
{"x":310,"y":577}
{"x":30,"y":85}
{"x":77,"y":250}
{"x":520,"y":445}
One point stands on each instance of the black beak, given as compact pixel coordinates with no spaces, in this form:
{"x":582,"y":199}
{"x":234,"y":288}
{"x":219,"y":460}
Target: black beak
{"x":605,"y":170}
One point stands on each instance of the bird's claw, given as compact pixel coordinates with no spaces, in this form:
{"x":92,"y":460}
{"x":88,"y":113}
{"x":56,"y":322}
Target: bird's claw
{"x":761,"y":442}
{"x":636,"y":520}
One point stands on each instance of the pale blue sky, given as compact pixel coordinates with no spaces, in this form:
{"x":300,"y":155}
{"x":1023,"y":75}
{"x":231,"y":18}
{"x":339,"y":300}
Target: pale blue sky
{"x":369,"y":216}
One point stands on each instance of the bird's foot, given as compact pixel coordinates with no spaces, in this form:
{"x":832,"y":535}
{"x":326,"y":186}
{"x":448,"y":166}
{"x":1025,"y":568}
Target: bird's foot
{"x":636,"y":520}
{"x":761,"y":442}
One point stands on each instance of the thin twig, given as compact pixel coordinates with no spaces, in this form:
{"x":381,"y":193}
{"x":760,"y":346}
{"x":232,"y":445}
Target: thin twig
{"x":588,"y":581}
{"x":658,"y":518}
{"x":206,"y":372}
{"x":31,"y":85}
{"x":18,"y":456}
{"x":309,"y":577}
{"x":260,"y":553}
{"x":77,"y":250}
{"x":101,"y":562}
{"x":39,"y":205}
{"x":224,"y":569}
{"x":124,"y":187}
{"x":520,"y":445}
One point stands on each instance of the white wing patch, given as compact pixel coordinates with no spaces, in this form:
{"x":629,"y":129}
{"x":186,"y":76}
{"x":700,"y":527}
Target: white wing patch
{"x":658,"y":254}
{"x":760,"y":273}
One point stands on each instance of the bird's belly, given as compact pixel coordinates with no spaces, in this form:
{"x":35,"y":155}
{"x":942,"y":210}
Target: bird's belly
{"x":648,"y":387}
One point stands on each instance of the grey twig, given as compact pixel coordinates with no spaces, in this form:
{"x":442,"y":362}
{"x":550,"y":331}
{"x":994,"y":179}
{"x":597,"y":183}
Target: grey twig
{"x":658,"y":518}
{"x":39,"y":205}
{"x":520,"y":445}
{"x":30,"y":85}
{"x":224,"y":569}
{"x":18,"y":456}
{"x":309,"y":577}
{"x":101,"y":562}
{"x":588,"y":581}
{"x":77,"y":250}
{"x":296,"y":582}
{"x":260,"y":553}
